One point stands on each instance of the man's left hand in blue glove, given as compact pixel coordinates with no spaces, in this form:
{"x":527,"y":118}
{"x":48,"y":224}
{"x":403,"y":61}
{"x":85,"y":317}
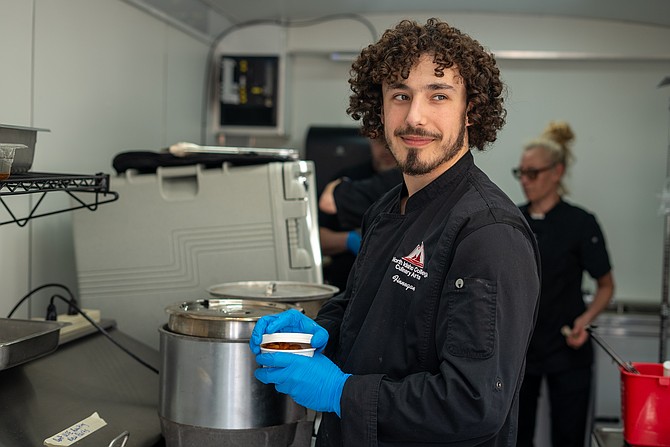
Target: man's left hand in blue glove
{"x":313,"y":382}
{"x":288,"y":321}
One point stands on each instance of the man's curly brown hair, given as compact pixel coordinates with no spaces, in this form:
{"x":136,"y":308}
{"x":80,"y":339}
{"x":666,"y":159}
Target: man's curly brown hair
{"x":400,"y":48}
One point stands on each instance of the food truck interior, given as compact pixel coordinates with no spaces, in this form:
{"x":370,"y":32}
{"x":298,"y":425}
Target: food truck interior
{"x":173,"y":153}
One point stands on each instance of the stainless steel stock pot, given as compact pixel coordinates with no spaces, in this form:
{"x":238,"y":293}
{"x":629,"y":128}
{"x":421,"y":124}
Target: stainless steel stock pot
{"x":207,"y":386}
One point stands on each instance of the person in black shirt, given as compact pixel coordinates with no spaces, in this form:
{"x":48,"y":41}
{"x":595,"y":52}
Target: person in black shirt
{"x":570,"y":242}
{"x":342,"y":204}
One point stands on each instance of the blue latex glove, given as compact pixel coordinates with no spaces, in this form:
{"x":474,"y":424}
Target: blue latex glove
{"x":313,"y":382}
{"x":354,"y":242}
{"x":289,"y":321}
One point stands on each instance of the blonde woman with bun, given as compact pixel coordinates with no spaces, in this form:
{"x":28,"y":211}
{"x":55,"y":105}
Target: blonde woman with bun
{"x":571,"y":243}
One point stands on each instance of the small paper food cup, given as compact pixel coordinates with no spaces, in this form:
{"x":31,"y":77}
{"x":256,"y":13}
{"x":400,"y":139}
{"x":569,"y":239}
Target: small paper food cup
{"x":289,"y":342}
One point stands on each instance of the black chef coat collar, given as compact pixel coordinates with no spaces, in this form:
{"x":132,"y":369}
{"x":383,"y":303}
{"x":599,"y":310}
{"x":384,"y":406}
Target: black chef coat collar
{"x":441,"y":186}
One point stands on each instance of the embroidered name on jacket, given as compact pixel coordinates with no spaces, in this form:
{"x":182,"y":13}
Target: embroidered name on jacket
{"x":410,"y":268}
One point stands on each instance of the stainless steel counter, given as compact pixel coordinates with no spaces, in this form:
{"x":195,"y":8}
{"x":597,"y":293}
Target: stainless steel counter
{"x":41,"y":398}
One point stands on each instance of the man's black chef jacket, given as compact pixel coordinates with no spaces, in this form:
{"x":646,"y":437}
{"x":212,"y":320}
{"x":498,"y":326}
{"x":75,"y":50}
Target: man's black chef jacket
{"x":436,"y":318}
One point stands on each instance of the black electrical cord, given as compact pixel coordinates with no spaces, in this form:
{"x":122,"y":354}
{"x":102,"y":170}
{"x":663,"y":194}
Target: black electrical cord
{"x":105,"y":333}
{"x":209,"y":73}
{"x":72,"y":304}
{"x":37,"y":289}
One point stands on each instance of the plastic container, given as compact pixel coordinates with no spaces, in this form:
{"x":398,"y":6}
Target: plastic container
{"x":26,"y":136}
{"x":7,"y":152}
{"x":291,"y":342}
{"x":645,"y":405}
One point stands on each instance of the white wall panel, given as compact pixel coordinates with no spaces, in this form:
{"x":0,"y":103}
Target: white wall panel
{"x":15,"y":109}
{"x":101,"y":75}
{"x":98,"y":87}
{"x":185,"y":66}
{"x":99,"y":82}
{"x":15,"y":59}
{"x":620,"y":120}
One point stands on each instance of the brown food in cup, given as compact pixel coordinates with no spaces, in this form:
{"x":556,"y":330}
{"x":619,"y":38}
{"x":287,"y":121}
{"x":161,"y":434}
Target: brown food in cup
{"x":283,"y":346}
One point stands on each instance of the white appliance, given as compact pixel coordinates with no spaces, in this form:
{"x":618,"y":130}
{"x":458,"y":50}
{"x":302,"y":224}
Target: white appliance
{"x":176,"y":232}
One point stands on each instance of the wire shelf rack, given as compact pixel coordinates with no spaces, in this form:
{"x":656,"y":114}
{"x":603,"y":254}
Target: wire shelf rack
{"x":93,"y":187}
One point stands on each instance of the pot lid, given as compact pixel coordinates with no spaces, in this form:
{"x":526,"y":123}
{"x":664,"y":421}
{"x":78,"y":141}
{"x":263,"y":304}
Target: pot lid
{"x":221,"y":318}
{"x":281,"y":291}
{"x":226,"y":309}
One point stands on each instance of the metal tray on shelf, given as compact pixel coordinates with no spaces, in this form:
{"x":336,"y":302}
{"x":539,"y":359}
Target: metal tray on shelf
{"x":23,"y":160}
{"x":25,"y":340}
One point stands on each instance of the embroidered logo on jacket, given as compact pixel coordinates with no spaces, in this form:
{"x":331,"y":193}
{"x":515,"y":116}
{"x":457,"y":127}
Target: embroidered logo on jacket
{"x":416,"y":257}
{"x":411,"y":269}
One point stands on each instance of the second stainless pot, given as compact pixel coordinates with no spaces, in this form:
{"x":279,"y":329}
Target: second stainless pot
{"x":207,"y":368}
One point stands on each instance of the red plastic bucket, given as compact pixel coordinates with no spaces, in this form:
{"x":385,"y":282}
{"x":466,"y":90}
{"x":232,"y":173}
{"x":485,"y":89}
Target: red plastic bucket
{"x":645,"y":405}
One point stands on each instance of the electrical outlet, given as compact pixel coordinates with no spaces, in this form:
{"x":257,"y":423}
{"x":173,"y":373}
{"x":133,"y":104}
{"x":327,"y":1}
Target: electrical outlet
{"x":77,"y":322}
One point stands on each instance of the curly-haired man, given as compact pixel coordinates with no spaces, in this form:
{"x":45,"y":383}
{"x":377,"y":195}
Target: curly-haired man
{"x":426,"y":346}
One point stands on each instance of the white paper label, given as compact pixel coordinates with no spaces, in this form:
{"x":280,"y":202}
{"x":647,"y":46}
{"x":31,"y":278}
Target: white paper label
{"x":78,"y":431}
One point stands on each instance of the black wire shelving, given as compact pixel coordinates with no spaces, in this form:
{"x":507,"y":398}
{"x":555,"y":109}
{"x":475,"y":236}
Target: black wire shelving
{"x":96,"y":187}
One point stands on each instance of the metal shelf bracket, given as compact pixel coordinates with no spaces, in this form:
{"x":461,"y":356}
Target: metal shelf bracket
{"x":97,"y":186}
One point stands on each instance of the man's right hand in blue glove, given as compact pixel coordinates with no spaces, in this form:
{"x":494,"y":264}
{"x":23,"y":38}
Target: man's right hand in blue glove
{"x":313,"y":382}
{"x":289,"y":321}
